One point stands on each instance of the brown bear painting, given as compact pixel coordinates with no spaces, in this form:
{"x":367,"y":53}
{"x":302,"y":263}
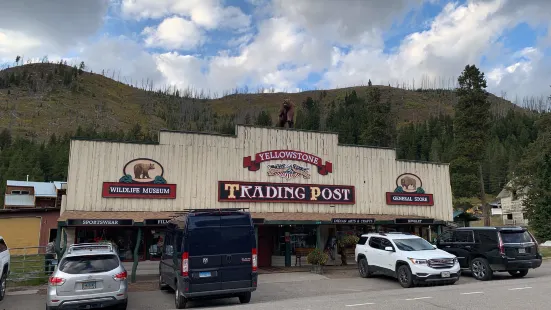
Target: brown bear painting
{"x":141,"y":170}
{"x":406,"y":182}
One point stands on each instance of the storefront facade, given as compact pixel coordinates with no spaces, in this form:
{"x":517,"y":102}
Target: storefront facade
{"x":303,"y":189}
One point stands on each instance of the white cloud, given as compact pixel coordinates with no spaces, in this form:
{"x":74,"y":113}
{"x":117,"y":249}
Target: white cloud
{"x":174,"y":33}
{"x":209,"y":14}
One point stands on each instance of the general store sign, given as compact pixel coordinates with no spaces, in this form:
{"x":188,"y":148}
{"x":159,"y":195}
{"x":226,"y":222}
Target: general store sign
{"x":254,"y":164}
{"x":142,"y":178}
{"x":409,"y":191}
{"x":236,"y":191}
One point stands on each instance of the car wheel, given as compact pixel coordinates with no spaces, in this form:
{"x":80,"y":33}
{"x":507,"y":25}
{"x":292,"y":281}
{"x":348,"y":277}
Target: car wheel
{"x":245,"y":298}
{"x":405,"y":277}
{"x":162,"y":286}
{"x":363,"y":268}
{"x":3,"y":283}
{"x":122,"y":306}
{"x":481,"y":269}
{"x":518,"y":273}
{"x":180,"y":301}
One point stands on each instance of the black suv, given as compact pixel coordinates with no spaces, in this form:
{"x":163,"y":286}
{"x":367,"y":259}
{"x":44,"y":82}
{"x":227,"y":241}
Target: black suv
{"x":210,"y":254}
{"x":485,"y":250}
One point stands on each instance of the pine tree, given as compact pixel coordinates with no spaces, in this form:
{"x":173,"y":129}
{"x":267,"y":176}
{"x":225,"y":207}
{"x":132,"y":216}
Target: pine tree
{"x":263,"y":119}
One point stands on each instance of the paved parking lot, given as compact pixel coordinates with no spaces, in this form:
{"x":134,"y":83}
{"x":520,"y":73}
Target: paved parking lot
{"x":344,"y":290}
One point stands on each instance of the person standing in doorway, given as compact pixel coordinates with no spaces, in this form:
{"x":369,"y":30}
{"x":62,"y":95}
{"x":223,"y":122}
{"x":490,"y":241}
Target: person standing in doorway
{"x":49,"y":257}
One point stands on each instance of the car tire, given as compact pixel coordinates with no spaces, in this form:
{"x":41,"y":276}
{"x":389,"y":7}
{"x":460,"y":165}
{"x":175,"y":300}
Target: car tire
{"x":122,"y":306}
{"x":179,"y":301}
{"x":481,"y":270}
{"x":518,"y":273}
{"x":405,"y":278}
{"x":162,"y":286}
{"x":245,"y":298}
{"x":363,"y":268}
{"x":3,"y":284}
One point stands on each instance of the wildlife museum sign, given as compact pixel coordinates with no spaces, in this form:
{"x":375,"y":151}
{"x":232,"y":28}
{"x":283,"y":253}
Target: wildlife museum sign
{"x":142,"y":178}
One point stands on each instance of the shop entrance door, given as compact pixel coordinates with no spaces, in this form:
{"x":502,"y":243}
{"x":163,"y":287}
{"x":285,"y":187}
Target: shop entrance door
{"x":266,"y":236}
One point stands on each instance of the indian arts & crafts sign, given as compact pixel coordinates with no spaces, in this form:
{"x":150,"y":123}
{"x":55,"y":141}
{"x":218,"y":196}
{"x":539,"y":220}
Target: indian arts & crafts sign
{"x":237,"y":191}
{"x":142,"y":178}
{"x":409,"y":191}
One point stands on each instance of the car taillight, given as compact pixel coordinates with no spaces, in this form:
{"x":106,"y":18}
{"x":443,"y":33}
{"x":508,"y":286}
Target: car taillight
{"x":535,"y":242}
{"x":501,"y":246}
{"x":255,"y":260}
{"x":121,"y":276}
{"x":55,"y":281}
{"x":185,"y":264}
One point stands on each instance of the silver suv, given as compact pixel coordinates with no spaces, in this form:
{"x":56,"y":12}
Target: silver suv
{"x":89,"y":275}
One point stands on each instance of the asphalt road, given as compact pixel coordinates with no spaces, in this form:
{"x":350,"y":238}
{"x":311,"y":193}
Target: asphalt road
{"x":349,"y":291}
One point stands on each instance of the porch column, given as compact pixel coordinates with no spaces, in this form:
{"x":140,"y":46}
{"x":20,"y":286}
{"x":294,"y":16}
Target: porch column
{"x":318,"y":238}
{"x":256,"y":236}
{"x":136,"y":251}
{"x":287,"y":248}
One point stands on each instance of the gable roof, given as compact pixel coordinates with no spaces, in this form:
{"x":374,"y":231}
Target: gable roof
{"x":41,"y":189}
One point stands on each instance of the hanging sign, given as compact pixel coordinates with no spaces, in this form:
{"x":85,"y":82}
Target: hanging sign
{"x":104,"y":222}
{"x":409,"y":191}
{"x":156,"y":222}
{"x":352,"y":221}
{"x":414,"y":221}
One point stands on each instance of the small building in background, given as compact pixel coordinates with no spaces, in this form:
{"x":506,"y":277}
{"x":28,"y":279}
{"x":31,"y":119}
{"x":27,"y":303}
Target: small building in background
{"x":512,"y":206}
{"x":28,"y":220}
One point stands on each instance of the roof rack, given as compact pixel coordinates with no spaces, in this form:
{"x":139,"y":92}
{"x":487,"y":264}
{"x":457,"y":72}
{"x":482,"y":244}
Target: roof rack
{"x":382,"y":233}
{"x":89,"y":246}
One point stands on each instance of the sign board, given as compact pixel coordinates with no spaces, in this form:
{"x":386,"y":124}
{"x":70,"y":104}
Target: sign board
{"x":353,"y":221}
{"x":142,"y":178}
{"x":156,"y":222}
{"x":254,"y":164}
{"x":414,"y":221}
{"x":237,"y":191}
{"x":409,"y":191}
{"x":104,"y":222}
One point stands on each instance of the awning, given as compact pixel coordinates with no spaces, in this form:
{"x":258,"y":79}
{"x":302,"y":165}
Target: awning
{"x":259,"y":217}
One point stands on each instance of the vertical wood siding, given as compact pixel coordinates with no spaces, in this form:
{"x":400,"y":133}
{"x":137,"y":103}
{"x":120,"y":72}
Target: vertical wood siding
{"x":196,"y":162}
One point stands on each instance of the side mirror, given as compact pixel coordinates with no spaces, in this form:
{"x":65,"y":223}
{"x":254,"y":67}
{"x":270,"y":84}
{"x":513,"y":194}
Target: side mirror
{"x":434,"y":246}
{"x":389,"y":248}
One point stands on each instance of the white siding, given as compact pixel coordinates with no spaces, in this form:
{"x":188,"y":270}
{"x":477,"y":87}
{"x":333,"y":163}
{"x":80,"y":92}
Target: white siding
{"x":196,"y":162}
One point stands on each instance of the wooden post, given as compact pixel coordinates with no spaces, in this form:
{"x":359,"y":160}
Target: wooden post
{"x":485,"y":206}
{"x":136,"y":250}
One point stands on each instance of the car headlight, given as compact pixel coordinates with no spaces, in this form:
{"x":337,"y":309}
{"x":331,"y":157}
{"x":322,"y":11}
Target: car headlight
{"x":418,"y":261}
{"x":455,"y":260}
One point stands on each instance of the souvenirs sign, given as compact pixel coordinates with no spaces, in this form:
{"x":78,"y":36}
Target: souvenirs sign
{"x":237,"y":191}
{"x":409,"y":191}
{"x":254,"y":164}
{"x":142,"y":178}
{"x":413,"y":221}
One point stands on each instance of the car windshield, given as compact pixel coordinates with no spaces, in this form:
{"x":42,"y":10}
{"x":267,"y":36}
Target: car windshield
{"x":515,"y":236}
{"x":413,"y":244}
{"x":89,"y":264}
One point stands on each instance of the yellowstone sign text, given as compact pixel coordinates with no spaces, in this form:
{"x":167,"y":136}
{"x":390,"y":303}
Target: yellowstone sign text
{"x":254,"y":165}
{"x":236,"y":191}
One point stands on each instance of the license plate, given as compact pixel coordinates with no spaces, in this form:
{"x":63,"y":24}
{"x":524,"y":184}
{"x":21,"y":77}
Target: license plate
{"x":88,"y":285}
{"x":204,"y":274}
{"x":445,"y":274}
{"x":522,"y":251}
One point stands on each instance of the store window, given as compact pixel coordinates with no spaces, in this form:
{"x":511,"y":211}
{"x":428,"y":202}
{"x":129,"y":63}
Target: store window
{"x":124,"y":239}
{"x":302,"y":236}
{"x":155,"y":242}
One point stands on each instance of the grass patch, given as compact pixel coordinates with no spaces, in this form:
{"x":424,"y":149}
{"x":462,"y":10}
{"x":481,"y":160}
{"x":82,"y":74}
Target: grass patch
{"x":495,"y":220}
{"x":545,"y":251}
{"x":27,"y":270}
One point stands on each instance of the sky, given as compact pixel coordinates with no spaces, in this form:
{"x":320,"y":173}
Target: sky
{"x":289,"y":45}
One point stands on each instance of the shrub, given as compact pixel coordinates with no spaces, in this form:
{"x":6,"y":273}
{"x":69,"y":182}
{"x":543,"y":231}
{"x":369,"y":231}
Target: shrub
{"x":317,"y":257}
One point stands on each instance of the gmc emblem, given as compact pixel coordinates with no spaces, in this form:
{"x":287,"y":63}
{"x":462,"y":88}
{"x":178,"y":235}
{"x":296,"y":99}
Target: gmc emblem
{"x":205,"y":260}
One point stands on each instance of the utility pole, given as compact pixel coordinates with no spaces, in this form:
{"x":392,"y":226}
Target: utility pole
{"x":485,"y":210}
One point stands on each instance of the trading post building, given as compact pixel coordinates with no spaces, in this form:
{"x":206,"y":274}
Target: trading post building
{"x":303,"y":189}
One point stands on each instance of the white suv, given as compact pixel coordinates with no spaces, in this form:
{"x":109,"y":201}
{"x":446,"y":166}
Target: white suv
{"x":4,"y":267}
{"x":407,"y":257}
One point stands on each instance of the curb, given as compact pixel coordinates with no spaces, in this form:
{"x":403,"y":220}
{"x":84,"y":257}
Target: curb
{"x":26,"y":292}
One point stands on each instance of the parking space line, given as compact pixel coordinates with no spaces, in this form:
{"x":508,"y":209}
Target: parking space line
{"x":471,"y":293}
{"x":520,"y":288}
{"x":417,"y":298}
{"x":364,"y":304}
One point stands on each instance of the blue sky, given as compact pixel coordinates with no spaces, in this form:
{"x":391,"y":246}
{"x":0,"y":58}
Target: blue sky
{"x":292,"y":45}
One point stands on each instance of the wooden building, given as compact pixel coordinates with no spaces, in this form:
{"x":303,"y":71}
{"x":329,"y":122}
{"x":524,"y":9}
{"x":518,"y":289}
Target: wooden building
{"x":301,"y":187}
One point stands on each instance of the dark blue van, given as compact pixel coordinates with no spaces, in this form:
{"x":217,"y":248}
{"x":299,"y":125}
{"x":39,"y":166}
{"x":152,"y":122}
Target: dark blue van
{"x":210,"y":254}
